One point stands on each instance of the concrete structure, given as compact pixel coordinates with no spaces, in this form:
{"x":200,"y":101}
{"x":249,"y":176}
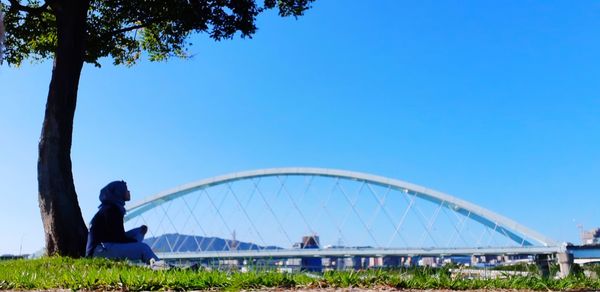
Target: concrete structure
{"x":565,"y":261}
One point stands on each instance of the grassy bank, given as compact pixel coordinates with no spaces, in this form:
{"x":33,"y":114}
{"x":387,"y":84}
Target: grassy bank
{"x":66,"y":273}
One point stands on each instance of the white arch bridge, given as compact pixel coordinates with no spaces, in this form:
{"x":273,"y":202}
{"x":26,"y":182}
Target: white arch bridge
{"x":314,"y":212}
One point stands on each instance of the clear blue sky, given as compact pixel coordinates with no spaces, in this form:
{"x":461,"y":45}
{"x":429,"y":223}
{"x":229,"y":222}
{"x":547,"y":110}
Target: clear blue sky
{"x":497,"y":103}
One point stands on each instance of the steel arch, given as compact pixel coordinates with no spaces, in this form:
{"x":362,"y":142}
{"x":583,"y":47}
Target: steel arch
{"x":505,"y":226}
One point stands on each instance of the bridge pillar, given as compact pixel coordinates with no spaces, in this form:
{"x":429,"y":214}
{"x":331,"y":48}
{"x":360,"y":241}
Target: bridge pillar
{"x":542,"y":261}
{"x":565,"y":262}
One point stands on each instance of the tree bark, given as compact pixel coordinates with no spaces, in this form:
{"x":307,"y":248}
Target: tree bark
{"x":65,"y":230}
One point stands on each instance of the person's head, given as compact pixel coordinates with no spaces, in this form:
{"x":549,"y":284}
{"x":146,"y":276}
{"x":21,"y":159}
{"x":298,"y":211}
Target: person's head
{"x":115,"y":192}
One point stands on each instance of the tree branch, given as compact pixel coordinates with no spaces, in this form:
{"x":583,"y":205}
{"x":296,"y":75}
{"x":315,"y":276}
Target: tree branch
{"x":130,"y":28}
{"x":125,"y":29}
{"x":14,"y":4}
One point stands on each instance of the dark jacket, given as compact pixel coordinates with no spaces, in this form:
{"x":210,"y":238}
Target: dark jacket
{"x":106,"y":226}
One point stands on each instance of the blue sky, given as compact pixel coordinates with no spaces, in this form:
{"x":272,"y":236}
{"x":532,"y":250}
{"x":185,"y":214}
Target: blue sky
{"x":497,"y":103}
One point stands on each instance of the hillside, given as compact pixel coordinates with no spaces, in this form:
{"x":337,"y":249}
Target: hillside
{"x":185,"y":243}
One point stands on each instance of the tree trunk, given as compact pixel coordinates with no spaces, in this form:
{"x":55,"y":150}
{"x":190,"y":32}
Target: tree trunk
{"x":65,"y":230}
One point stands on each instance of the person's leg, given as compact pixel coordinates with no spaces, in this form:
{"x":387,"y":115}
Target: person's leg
{"x":137,"y":233}
{"x":131,"y":251}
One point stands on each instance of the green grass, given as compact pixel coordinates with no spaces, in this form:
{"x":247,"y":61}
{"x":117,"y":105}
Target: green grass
{"x":101,"y":274}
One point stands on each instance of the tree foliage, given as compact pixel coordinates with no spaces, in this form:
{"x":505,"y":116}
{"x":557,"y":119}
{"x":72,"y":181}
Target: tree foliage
{"x":125,"y":29}
{"x":74,"y":32}
{"x":1,"y":36}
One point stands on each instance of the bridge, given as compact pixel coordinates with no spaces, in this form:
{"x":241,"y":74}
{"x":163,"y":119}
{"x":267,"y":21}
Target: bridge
{"x":314,"y":213}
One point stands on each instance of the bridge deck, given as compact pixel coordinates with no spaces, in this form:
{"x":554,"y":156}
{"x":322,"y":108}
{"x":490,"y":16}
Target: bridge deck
{"x":365,"y":252}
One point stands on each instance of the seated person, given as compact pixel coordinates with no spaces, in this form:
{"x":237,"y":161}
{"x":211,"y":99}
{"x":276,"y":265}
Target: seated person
{"x":107,"y":237}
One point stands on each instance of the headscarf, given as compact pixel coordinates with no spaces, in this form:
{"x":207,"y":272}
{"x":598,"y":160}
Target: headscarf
{"x":114,"y":194}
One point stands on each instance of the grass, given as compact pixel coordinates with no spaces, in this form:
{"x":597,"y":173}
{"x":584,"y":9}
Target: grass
{"x":101,"y":274}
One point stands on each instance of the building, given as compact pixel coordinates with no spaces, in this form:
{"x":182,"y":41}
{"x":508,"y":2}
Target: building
{"x":311,"y":264}
{"x":591,"y":237}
